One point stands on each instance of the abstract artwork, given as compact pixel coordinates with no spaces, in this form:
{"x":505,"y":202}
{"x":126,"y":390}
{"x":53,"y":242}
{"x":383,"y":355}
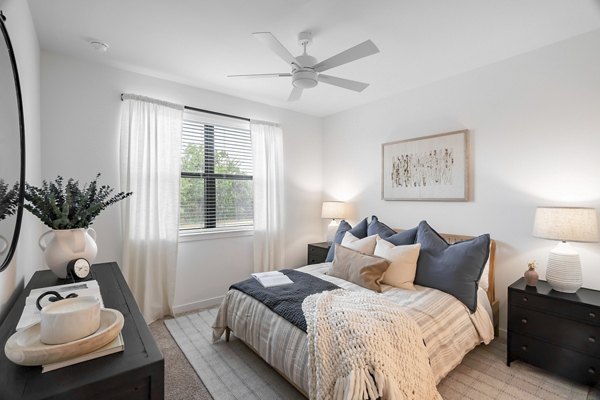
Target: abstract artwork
{"x":431,"y":168}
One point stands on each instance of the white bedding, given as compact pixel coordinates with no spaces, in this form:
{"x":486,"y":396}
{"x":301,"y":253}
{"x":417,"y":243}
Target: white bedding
{"x":449,"y":330}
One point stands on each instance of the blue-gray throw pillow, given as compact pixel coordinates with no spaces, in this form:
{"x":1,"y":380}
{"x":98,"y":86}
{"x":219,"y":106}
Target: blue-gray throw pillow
{"x":403,"y":238}
{"x":452,"y":268}
{"x":359,"y":230}
{"x":379,"y":228}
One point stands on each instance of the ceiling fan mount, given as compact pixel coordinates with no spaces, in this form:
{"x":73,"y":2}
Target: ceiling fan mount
{"x":306,"y":71}
{"x":304,"y":77}
{"x":305,"y":39}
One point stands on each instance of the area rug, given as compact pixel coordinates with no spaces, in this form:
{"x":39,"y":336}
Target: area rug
{"x":233,"y":371}
{"x":229,"y":370}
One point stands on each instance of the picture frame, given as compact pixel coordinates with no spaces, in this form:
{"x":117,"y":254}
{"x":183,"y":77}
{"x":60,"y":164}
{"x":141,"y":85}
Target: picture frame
{"x":428,"y":168}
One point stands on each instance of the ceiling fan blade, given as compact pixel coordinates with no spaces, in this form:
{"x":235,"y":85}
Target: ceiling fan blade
{"x":275,"y":45}
{"x":295,"y":95}
{"x":274,"y":75}
{"x":359,"y":51}
{"x":343,"y":83}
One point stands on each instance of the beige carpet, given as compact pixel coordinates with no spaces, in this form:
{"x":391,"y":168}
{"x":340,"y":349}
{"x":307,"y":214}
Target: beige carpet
{"x":482,"y":375}
{"x":181,"y":381}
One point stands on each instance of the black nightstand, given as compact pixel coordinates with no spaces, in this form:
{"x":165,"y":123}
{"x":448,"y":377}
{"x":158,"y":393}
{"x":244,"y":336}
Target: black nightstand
{"x":317,"y":252}
{"x":559,"y":332}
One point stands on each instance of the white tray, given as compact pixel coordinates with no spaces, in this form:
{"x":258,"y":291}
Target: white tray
{"x":25,"y":348}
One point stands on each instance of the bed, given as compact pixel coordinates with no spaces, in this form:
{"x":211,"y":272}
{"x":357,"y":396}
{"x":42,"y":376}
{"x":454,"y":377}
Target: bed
{"x":449,"y":329}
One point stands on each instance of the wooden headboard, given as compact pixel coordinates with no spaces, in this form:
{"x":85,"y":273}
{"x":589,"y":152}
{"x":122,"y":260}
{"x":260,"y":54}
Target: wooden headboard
{"x":491,"y":292}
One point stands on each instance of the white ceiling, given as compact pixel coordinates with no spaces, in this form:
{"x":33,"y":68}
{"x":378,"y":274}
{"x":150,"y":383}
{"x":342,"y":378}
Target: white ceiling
{"x":199,"y":42}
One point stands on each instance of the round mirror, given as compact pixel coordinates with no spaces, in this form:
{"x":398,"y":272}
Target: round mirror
{"x":12,"y":150}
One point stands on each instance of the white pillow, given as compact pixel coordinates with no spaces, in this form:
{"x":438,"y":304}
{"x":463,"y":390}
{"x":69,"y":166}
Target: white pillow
{"x":364,"y":245}
{"x":484,"y":282}
{"x":403,"y":263}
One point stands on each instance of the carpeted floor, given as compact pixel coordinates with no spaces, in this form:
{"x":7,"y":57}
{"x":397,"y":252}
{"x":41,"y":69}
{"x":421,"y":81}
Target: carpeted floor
{"x":483,"y":374}
{"x":181,"y":381}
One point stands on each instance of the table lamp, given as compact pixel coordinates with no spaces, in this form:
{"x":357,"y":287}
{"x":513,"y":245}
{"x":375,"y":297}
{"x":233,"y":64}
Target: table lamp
{"x":565,"y":224}
{"x":333,"y":210}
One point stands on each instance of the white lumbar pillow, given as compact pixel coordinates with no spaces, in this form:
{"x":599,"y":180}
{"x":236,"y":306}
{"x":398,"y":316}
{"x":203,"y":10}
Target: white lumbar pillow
{"x":403,"y":263}
{"x":364,"y":245}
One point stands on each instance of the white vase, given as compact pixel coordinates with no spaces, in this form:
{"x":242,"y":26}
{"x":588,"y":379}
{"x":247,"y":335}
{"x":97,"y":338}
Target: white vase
{"x":67,"y":245}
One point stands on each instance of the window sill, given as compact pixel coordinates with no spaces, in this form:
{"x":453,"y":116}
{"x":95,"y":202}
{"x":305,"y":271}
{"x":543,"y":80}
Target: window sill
{"x":197,"y":235}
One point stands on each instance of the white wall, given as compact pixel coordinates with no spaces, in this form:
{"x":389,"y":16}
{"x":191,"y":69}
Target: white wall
{"x":24,"y":40}
{"x":535,"y":135}
{"x":80,"y":116}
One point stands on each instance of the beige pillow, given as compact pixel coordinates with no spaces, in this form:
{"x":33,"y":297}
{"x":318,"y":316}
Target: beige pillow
{"x":364,"y":245}
{"x":363,"y":269}
{"x":403,"y":263}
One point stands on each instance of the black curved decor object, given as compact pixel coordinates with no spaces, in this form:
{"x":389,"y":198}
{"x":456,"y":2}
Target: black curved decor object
{"x":21,"y":189}
{"x":55,"y":297}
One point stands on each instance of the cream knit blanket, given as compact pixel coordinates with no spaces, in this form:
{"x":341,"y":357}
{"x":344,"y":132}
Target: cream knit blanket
{"x":362,"y":346}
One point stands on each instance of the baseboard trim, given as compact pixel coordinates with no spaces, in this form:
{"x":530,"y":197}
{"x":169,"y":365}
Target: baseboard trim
{"x":502,"y":333}
{"x":198,"y":305}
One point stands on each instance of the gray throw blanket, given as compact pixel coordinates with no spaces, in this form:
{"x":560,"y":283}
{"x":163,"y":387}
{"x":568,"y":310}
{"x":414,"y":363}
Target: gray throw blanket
{"x":286,"y":301}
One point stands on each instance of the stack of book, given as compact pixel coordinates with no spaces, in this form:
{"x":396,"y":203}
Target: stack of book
{"x":115,"y":346}
{"x":271,"y":278}
{"x":31,"y":316}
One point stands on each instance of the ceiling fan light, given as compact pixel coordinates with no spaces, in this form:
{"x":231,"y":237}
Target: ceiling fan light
{"x":304,"y":79}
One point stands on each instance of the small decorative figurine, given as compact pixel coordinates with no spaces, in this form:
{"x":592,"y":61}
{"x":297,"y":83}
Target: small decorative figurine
{"x":531,"y":276}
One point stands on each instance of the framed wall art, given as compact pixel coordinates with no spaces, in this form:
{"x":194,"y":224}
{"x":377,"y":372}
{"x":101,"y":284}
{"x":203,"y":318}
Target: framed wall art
{"x":431,"y":168}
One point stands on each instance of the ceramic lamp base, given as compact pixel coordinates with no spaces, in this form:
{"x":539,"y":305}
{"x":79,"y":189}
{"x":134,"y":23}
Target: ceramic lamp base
{"x":331,"y":230}
{"x":564,"y":269}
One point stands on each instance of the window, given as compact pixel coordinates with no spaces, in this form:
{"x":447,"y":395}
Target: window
{"x":216,"y":173}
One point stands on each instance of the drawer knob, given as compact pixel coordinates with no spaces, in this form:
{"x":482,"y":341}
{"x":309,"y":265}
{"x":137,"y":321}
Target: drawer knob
{"x":524,"y":348}
{"x":525,"y":299}
{"x":592,"y":315}
{"x":592,"y":339}
{"x":524,"y":320}
{"x":592,"y":370}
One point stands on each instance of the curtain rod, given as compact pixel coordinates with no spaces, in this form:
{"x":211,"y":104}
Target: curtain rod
{"x":216,"y":113}
{"x":210,"y":112}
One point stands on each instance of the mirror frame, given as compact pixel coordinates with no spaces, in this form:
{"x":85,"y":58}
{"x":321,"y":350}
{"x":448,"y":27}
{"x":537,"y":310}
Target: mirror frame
{"x":19,"y":217}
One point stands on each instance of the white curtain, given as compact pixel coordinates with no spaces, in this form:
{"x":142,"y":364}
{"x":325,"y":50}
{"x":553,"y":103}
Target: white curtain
{"x":267,"y":155}
{"x":150,"y":168}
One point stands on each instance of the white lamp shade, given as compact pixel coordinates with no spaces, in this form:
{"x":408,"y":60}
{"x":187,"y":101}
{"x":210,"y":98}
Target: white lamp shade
{"x":566,"y":223}
{"x":333,"y":210}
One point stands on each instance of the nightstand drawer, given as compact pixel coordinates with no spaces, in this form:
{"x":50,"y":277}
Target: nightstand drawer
{"x":560,"y":331}
{"x":317,"y":253}
{"x":571,"y":364}
{"x":578,"y":311}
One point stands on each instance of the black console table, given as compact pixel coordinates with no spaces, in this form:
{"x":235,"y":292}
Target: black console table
{"x":135,"y":373}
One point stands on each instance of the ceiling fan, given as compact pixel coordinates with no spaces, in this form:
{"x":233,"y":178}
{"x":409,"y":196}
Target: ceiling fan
{"x":306,"y":71}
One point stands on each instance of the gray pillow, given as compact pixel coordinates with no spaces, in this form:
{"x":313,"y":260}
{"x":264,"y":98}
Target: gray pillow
{"x":359,"y":268}
{"x":359,"y":231}
{"x":379,"y":228}
{"x":403,"y":238}
{"x":452,"y":268}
